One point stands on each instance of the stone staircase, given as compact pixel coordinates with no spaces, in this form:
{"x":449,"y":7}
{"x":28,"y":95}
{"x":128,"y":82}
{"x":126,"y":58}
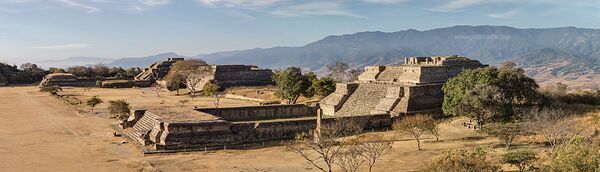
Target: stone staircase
{"x":363,"y":100}
{"x":147,"y":73}
{"x":143,"y":127}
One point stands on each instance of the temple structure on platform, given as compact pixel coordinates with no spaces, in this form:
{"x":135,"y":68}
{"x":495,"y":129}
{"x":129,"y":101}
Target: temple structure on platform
{"x":413,"y":87}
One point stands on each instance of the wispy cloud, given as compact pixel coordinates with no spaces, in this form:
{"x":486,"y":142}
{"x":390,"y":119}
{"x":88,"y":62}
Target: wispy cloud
{"x":154,"y":3}
{"x":241,"y":4}
{"x":504,"y":15}
{"x":386,"y":1}
{"x":315,"y":9}
{"x":456,"y":5}
{"x":75,"y":4}
{"x":62,"y":46}
{"x":245,"y":17}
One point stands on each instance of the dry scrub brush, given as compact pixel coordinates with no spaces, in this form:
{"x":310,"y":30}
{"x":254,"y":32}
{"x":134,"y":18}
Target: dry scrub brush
{"x":336,"y":146}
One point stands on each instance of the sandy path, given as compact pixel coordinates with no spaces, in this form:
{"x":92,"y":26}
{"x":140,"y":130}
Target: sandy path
{"x":38,"y":133}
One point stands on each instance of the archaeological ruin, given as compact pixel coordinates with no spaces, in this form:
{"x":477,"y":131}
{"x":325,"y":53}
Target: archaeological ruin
{"x":157,"y":70}
{"x":159,"y":130}
{"x":60,"y":79}
{"x":381,"y":94}
{"x":413,"y":87}
{"x":224,"y":75}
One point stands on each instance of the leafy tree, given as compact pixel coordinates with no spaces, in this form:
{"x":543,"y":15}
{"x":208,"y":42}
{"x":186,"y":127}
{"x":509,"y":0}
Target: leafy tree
{"x":415,"y":126}
{"x":464,"y":160}
{"x":100,"y":70}
{"x":292,"y":84}
{"x":210,"y":89}
{"x":119,"y":108}
{"x":521,"y":158}
{"x":56,"y":70}
{"x":509,"y":84}
{"x":34,"y":72}
{"x":80,"y":71}
{"x":457,"y":88}
{"x":132,"y":72}
{"x":506,"y":132}
{"x":323,"y":86}
{"x":117,"y":72}
{"x":485,"y":103}
{"x":93,"y":102}
{"x":174,"y":81}
{"x":98,"y":83}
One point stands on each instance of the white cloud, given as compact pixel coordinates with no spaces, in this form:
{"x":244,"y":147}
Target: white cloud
{"x":245,"y":17}
{"x":63,"y":46}
{"x":456,"y":5}
{"x":385,"y":1}
{"x":504,"y":15}
{"x":75,"y":4}
{"x":154,"y":3}
{"x":315,"y":9}
{"x":242,"y":4}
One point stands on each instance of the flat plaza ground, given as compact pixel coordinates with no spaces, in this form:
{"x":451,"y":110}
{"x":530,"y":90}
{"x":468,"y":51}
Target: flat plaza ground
{"x":39,"y":132}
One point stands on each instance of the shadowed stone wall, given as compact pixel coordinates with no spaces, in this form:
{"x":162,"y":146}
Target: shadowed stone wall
{"x":252,"y":113}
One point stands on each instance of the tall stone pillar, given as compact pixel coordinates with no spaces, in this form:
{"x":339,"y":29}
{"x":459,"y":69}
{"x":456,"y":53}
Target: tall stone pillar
{"x":317,"y":132}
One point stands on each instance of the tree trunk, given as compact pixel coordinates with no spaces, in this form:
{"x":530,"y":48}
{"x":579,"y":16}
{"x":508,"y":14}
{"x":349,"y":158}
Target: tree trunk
{"x":418,"y":144}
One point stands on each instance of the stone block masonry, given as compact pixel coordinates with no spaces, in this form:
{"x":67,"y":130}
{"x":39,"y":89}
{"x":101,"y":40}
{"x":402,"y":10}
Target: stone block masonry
{"x":413,"y":87}
{"x":249,"y":125}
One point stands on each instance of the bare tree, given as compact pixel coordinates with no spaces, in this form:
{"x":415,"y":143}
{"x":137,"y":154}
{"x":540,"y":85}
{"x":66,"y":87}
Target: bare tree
{"x":157,"y":89}
{"x":194,"y":72}
{"x":414,"y":126}
{"x":553,"y":125}
{"x":351,"y":158}
{"x":338,"y":71}
{"x":217,"y":99}
{"x":325,"y":151}
{"x":193,"y":78}
{"x":433,"y":128}
{"x":506,"y":132}
{"x":373,"y":147}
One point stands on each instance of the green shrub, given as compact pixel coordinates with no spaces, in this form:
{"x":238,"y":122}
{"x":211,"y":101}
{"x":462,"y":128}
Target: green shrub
{"x":578,"y":155}
{"x":119,"y":109}
{"x":521,"y":158}
{"x":465,"y":160}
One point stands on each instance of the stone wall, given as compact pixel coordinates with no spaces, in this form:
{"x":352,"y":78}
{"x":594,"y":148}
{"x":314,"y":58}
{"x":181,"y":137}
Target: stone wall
{"x":267,"y":112}
{"x":209,"y":134}
{"x":160,"y":134}
{"x":332,"y":103}
{"x":413,"y":87}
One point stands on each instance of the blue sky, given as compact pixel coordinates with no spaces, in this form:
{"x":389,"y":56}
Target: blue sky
{"x":35,"y":30}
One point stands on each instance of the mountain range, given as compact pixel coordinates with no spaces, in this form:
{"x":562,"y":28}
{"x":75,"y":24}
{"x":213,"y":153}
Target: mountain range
{"x":564,"y":54}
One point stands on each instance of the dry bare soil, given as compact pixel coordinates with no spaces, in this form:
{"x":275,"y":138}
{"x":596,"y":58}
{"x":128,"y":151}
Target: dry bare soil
{"x":38,"y":132}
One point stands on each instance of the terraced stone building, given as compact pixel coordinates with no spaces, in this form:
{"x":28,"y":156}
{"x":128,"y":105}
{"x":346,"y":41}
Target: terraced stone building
{"x":224,"y":75}
{"x":413,"y":87}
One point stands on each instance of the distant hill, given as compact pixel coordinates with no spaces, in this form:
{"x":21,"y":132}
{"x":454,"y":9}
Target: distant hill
{"x":572,"y":52}
{"x":73,"y":61}
{"x":143,"y":61}
{"x":125,"y":62}
{"x":565,"y":54}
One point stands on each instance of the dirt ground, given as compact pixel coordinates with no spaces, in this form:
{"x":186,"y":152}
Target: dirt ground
{"x":38,"y":132}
